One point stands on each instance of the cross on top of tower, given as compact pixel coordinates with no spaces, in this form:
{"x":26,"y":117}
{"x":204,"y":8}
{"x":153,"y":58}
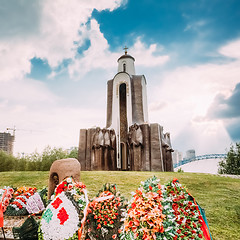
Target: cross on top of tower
{"x":125,"y":48}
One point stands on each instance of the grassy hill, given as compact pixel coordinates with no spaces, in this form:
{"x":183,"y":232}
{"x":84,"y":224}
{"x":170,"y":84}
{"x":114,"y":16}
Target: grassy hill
{"x":219,"y":196}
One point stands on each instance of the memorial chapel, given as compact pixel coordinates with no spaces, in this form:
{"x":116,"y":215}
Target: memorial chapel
{"x":129,"y":141}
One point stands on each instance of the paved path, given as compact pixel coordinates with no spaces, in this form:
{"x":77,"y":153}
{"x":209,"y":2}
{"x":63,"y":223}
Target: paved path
{"x":228,"y":175}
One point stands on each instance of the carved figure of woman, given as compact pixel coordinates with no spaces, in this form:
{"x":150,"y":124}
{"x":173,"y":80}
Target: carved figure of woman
{"x":97,"y":148}
{"x":137,"y":140}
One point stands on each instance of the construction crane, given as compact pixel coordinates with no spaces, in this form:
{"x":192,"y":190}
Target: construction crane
{"x":18,"y":129}
{"x":12,"y":129}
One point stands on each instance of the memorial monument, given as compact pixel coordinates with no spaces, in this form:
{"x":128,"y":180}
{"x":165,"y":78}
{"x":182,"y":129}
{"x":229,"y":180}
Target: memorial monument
{"x":129,"y":141}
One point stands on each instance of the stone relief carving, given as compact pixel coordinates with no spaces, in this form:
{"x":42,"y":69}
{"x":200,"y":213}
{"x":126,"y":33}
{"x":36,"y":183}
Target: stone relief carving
{"x":163,"y":139}
{"x":168,"y":141}
{"x":113,"y":149}
{"x":104,"y":149}
{"x":135,"y":141}
{"x":97,"y":146}
{"x":137,"y":136}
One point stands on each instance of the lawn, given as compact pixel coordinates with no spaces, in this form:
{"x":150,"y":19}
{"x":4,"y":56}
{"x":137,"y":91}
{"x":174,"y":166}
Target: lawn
{"x":219,"y":196}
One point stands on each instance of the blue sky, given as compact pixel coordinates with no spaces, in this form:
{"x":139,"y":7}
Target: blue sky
{"x":56,"y":58}
{"x":172,"y":22}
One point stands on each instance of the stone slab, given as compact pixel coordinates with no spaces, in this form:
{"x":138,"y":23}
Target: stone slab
{"x":156,"y":148}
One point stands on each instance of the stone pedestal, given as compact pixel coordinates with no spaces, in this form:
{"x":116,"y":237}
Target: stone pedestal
{"x":169,"y":165}
{"x":146,"y":156}
{"x":137,"y":158}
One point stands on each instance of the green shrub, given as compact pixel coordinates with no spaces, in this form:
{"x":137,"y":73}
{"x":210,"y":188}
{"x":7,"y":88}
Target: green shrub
{"x":180,"y":170}
{"x":35,"y":161}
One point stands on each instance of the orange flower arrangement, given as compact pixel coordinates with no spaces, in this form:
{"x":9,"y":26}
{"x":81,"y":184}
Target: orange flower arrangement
{"x":162,"y":212}
{"x":24,"y":189}
{"x":148,"y":214}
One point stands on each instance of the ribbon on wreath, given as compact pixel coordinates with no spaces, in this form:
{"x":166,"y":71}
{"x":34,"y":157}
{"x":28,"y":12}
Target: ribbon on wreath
{"x":1,"y":213}
{"x":1,"y":209}
{"x":86,"y":210}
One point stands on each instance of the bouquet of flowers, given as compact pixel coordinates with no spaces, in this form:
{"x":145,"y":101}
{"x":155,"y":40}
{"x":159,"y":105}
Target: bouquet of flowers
{"x":6,"y":195}
{"x":104,"y":219}
{"x":62,"y":217}
{"x":149,"y":213}
{"x":187,"y":216}
{"x":18,"y":206}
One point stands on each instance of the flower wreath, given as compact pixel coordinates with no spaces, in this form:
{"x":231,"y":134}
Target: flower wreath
{"x":6,"y":195}
{"x":62,"y":217}
{"x":104,"y":219}
{"x":149,"y":213}
{"x":18,"y":206}
{"x":187,"y":216}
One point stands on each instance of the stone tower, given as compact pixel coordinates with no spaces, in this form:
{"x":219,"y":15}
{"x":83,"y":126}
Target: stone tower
{"x":126,"y":104}
{"x":128,"y":142}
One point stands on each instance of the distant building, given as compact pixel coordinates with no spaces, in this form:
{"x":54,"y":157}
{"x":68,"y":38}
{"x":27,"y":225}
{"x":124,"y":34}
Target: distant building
{"x":6,"y":142}
{"x":177,"y":156}
{"x":190,"y":154}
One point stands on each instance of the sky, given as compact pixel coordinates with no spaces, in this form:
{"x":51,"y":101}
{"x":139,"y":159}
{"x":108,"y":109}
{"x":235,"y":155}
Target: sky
{"x":57,"y":56}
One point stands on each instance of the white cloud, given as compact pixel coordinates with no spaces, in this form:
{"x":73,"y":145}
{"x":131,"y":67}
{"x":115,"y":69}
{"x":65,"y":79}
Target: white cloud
{"x":156,"y":106}
{"x":189,"y":92}
{"x":51,"y":38}
{"x":19,"y":18}
{"x":14,"y":60}
{"x":60,"y":25}
{"x":231,"y":50}
{"x":195,"y":25}
{"x":98,"y":55}
{"x":205,"y":137}
{"x":26,"y":91}
{"x":145,"y":55}
{"x":48,"y":30}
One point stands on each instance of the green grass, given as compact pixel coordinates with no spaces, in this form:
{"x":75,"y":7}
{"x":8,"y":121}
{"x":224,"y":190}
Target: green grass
{"x":219,"y":196}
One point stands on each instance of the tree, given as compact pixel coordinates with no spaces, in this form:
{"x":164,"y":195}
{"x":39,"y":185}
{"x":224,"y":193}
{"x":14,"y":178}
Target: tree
{"x":73,"y":153}
{"x":231,"y":164}
{"x":7,"y":161}
{"x":49,"y":155}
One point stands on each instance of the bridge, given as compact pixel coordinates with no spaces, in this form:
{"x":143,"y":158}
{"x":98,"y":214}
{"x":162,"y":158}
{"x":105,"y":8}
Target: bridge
{"x":198,"y":158}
